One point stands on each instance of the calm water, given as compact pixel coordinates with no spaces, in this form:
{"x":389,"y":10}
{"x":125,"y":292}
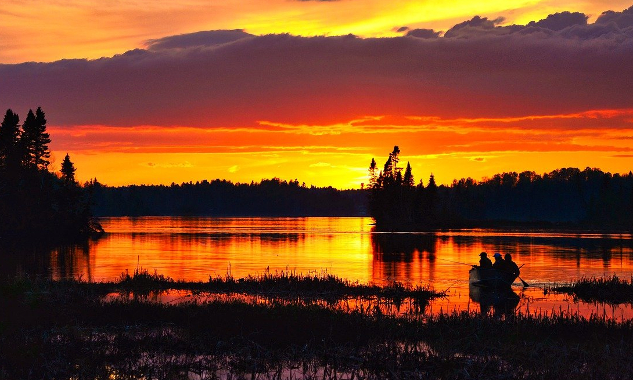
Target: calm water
{"x":196,"y":248}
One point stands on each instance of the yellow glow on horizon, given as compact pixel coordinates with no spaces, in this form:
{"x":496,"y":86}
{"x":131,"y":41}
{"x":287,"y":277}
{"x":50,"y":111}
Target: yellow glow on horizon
{"x":339,"y":154}
{"x":322,"y":170}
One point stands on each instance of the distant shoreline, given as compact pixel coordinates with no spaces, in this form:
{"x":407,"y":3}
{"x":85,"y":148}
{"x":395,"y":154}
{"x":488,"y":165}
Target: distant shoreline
{"x":489,"y":225}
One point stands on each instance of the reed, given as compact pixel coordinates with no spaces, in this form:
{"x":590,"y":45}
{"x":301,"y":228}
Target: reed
{"x":612,"y":290}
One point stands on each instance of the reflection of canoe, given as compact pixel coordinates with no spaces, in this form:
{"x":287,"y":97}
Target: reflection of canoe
{"x":490,"y":278}
{"x":502,"y":300}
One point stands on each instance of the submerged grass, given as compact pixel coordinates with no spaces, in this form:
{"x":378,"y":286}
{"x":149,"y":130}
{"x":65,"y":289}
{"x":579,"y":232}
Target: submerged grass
{"x":61,"y":330}
{"x":612,"y":290}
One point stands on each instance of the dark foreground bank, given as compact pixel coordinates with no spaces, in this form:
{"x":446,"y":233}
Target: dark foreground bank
{"x":62,"y":330}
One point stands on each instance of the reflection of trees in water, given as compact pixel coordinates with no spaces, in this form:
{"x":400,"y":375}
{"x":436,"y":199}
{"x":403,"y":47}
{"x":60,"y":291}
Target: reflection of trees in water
{"x":400,"y":256}
{"x":63,"y":262}
{"x":20,"y":259}
{"x":227,"y":239}
{"x":402,"y":246}
{"x":71,"y":261}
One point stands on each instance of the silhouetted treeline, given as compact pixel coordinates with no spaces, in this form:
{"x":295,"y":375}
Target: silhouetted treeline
{"x":35,"y":203}
{"x":270,"y":197}
{"x":572,"y":197}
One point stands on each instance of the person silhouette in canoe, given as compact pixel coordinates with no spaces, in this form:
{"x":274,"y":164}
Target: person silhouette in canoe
{"x":484,"y":261}
{"x":511,"y":266}
{"x":499,"y":263}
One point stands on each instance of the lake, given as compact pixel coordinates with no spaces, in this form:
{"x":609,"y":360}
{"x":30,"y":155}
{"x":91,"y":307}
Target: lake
{"x":194,"y":248}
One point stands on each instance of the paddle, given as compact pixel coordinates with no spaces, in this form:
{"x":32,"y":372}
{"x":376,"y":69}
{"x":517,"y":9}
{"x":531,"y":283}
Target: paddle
{"x":525,"y":284}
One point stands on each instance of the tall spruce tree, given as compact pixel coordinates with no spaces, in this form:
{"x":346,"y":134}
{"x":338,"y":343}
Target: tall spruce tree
{"x":10,"y":152}
{"x":408,"y":177}
{"x":27,"y":140}
{"x":35,"y":140}
{"x":42,"y":139}
{"x":372,"y":173}
{"x":68,"y":170}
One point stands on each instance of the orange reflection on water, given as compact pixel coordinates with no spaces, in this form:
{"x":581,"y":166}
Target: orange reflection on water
{"x":195,"y":248}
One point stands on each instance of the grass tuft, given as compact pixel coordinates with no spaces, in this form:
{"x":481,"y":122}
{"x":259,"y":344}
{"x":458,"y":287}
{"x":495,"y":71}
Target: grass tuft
{"x":611,"y":290}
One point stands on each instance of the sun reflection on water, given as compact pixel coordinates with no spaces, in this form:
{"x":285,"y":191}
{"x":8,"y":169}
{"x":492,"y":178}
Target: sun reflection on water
{"x":197,"y":248}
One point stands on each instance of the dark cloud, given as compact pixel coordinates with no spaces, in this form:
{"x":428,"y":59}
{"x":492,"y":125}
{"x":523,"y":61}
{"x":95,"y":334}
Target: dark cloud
{"x":402,"y":29}
{"x":477,"y":23}
{"x":206,"y":38}
{"x":564,"y":24}
{"x":423,"y":33}
{"x":560,"y":21}
{"x":622,"y":19}
{"x":205,"y":80}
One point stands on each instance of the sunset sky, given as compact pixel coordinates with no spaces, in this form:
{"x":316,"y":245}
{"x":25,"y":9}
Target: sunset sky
{"x":149,"y":92}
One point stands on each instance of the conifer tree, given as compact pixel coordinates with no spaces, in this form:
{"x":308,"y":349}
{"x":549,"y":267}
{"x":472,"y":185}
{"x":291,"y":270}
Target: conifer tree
{"x":42,"y":139}
{"x":431,"y":185}
{"x":395,"y":158}
{"x":27,"y":140}
{"x":372,"y":173}
{"x":68,"y":170}
{"x":10,"y":155}
{"x":408,"y":177}
{"x":387,"y":170}
{"x":35,"y":140}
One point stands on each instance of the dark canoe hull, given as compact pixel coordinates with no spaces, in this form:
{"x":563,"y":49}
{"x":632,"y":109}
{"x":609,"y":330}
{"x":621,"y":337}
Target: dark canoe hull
{"x":491,"y":278}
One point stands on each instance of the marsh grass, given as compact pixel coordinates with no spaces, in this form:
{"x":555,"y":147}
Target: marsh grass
{"x":62,"y":330}
{"x":283,"y":284}
{"x":611,"y":290}
{"x":318,"y":285}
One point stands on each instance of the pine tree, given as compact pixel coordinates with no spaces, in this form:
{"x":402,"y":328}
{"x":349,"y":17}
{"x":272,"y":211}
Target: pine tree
{"x":10,"y":155}
{"x":27,"y":140}
{"x":68,"y":170}
{"x":408,"y":177}
{"x":431,"y":185}
{"x":387,"y":170}
{"x":372,"y":173}
{"x":41,"y":152}
{"x":395,"y":158}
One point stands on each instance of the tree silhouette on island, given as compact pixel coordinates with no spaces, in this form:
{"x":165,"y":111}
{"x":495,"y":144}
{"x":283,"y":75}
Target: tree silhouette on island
{"x":567,"y":198}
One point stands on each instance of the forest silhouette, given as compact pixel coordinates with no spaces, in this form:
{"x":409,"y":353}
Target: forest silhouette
{"x":568,"y":197}
{"x":270,"y":197}
{"x":34,"y":202}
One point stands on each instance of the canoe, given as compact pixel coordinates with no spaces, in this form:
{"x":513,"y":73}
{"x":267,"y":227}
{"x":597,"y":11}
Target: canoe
{"x":490,"y":278}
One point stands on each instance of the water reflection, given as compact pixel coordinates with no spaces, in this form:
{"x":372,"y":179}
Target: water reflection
{"x":502,"y":302}
{"x":401,"y":246}
{"x":196,"y":248}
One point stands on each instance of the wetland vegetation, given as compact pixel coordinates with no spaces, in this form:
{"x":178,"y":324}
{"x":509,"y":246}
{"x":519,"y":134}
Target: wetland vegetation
{"x":66,"y":329}
{"x":612,"y":290}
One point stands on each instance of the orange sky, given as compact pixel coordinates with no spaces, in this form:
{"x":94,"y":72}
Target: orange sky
{"x":486,"y":97}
